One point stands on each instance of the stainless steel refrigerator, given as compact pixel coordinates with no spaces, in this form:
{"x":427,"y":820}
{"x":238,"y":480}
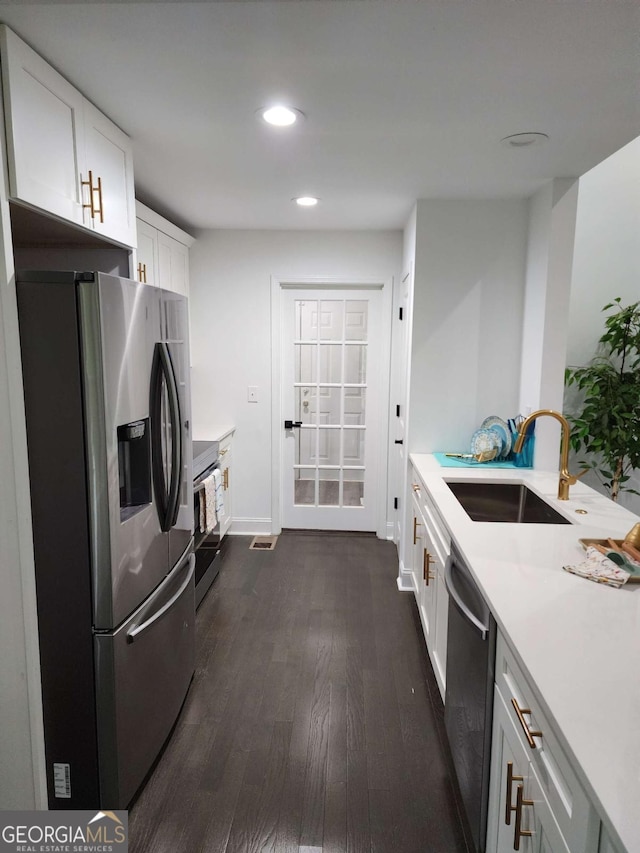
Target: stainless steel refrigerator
{"x":106,"y":384}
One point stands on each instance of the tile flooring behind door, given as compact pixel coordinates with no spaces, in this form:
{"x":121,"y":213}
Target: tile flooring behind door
{"x":313,"y":722}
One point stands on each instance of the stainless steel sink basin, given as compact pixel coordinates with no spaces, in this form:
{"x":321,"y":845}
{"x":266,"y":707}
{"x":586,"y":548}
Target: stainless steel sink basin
{"x":510,"y":502}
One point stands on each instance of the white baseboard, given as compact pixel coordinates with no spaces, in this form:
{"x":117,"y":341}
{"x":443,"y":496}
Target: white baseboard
{"x":405,"y":578}
{"x":250,"y":527}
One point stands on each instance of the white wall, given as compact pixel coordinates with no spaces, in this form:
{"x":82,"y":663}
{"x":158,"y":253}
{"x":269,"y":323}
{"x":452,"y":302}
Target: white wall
{"x":467,"y":318}
{"x":230,"y":290}
{"x":552,"y":214}
{"x":606,"y":258}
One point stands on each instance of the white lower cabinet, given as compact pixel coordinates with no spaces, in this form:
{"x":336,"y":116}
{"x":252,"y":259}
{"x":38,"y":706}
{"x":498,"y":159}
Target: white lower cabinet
{"x":536,"y":802}
{"x":519,"y":815}
{"x":431,"y":549}
{"x":224,"y":461}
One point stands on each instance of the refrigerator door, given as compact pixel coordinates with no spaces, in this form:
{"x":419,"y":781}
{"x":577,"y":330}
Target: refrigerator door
{"x":175,"y":319}
{"x":143,"y":671}
{"x":119,"y":321}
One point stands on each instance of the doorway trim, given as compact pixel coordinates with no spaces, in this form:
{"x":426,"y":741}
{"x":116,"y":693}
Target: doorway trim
{"x":278,"y":284}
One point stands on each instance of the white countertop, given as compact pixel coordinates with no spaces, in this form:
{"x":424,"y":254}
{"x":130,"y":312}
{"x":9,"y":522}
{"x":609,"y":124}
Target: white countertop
{"x":578,"y":641}
{"x":216,"y":433}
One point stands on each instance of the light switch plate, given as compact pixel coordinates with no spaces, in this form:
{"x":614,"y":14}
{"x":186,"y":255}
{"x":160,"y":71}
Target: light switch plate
{"x":252,"y":394}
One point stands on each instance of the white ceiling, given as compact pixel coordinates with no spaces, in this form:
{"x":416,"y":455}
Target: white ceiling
{"x":404,"y":99}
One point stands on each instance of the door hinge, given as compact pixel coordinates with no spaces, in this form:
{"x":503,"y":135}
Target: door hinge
{"x":395,"y":503}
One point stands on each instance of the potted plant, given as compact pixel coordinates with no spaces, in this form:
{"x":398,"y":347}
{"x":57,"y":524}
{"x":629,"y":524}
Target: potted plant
{"x":606,"y":426}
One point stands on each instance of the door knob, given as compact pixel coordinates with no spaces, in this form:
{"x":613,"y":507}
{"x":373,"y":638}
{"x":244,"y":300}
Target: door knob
{"x":292,"y":424}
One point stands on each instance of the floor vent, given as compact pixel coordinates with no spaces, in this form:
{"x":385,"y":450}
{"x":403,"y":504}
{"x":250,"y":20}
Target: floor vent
{"x":263,"y":543}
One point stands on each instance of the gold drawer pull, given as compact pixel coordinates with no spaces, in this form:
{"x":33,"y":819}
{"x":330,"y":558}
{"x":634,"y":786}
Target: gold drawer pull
{"x":426,"y":566}
{"x":415,"y":487}
{"x":519,"y":832}
{"x":511,"y":778}
{"x":528,"y":733}
{"x":225,"y":479}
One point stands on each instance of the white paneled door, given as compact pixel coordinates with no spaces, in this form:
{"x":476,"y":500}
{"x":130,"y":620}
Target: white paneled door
{"x":331,"y":379}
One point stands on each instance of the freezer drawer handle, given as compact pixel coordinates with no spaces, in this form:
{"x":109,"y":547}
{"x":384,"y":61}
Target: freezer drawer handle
{"x":135,"y":632}
{"x":462,"y":607}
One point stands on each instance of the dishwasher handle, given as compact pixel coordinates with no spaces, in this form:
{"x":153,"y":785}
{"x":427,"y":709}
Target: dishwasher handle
{"x":482,"y":629}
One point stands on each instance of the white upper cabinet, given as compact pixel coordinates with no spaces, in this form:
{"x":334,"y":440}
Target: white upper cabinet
{"x":65,"y":157}
{"x":173,"y":264}
{"x":44,"y":131}
{"x":110,"y":159}
{"x":147,"y":270}
{"x":163,"y":252}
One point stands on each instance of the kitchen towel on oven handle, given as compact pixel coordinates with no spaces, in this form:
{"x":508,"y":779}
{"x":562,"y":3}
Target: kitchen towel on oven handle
{"x":208,"y":516}
{"x":219,"y":492}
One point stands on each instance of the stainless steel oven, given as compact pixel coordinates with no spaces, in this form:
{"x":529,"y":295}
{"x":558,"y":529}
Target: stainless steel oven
{"x":206,"y":545}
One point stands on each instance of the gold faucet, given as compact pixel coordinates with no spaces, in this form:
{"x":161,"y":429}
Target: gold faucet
{"x":566,"y":479}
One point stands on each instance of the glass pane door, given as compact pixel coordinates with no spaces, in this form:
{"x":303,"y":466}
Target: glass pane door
{"x":330,"y":388}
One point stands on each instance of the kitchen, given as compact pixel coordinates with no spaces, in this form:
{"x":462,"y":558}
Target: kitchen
{"x":466,"y":239}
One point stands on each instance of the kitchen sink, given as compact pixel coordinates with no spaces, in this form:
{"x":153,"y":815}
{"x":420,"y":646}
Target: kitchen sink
{"x":510,"y":502}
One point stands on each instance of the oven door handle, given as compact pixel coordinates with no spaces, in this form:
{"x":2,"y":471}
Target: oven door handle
{"x":449,"y":582}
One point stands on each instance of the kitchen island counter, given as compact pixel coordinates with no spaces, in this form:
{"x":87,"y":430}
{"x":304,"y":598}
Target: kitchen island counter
{"x":577,"y":641}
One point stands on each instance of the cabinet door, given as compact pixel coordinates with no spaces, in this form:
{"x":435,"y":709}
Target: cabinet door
{"x":428,"y":582}
{"x":147,"y":270}
{"x":519,"y":815}
{"x":415,"y":548}
{"x":44,"y":116}
{"x":173,"y":264}
{"x":440,"y":641}
{"x":109,"y":156}
{"x":224,"y":457}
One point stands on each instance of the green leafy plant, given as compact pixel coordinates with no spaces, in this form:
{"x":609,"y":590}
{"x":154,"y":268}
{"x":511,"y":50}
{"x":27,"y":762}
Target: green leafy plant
{"x":607,"y":426}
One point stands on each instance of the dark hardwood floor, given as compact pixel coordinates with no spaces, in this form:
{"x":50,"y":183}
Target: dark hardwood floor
{"x":313,"y":722}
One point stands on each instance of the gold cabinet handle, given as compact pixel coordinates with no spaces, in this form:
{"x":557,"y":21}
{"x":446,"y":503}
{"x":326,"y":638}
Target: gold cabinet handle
{"x":528,"y":733}
{"x":426,"y":566}
{"x":511,"y":778}
{"x":101,"y":205}
{"x":95,"y":211}
{"x":415,"y":487}
{"x":142,"y":273}
{"x":225,"y":479}
{"x":89,"y":183}
{"x":416,"y":524}
{"x":519,"y":832}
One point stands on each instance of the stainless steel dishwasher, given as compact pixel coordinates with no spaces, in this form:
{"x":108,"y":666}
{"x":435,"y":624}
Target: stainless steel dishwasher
{"x":468,"y":709}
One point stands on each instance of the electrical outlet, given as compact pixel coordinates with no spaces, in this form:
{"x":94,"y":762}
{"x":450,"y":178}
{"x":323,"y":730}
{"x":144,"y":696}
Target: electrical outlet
{"x":252,"y":394}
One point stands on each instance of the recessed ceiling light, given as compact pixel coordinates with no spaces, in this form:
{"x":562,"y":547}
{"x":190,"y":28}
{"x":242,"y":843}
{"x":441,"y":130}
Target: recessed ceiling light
{"x":280,"y":115}
{"x":524,"y":140}
{"x":306,"y":200}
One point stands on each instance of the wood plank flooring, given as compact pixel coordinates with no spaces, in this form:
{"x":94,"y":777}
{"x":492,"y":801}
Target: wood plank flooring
{"x":313,"y":722}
